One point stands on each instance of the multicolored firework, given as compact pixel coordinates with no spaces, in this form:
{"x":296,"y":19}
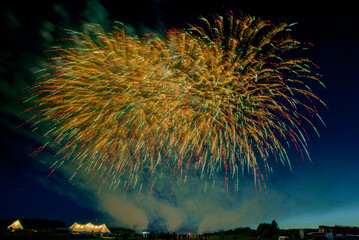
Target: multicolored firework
{"x":223,"y":97}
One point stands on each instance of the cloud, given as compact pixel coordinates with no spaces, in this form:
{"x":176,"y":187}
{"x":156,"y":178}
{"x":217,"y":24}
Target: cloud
{"x":247,"y":208}
{"x":176,"y":206}
{"x":122,"y":210}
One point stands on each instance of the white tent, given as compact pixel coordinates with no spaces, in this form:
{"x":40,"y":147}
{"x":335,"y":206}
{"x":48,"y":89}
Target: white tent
{"x":89,"y":228}
{"x":15,"y":226}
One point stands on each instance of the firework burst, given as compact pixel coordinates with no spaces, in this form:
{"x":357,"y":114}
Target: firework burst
{"x":224,"y":95}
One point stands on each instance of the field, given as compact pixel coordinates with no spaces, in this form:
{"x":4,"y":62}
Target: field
{"x":45,"y":236}
{"x":29,"y":235}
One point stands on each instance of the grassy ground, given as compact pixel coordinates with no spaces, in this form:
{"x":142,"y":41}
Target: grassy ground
{"x":66,"y":236}
{"x":228,"y":237}
{"x":44,"y":236}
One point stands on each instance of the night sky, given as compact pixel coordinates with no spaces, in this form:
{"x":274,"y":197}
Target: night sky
{"x":321,"y":192}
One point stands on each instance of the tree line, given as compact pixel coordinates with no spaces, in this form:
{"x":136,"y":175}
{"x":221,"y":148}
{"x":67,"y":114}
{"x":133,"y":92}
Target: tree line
{"x":264,"y":231}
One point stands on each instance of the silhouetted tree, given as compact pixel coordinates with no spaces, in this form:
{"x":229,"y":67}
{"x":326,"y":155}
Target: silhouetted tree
{"x":266,"y":230}
{"x":275,"y":227}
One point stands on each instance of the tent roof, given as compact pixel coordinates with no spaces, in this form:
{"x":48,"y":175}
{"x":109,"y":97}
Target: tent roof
{"x":73,"y":225}
{"x":89,"y":227}
{"x":16,"y":225}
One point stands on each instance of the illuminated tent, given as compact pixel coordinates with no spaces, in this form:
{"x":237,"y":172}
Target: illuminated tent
{"x":89,"y":228}
{"x":15,"y":226}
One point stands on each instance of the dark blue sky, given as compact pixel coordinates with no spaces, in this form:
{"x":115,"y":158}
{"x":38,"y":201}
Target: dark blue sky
{"x":322,"y":192}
